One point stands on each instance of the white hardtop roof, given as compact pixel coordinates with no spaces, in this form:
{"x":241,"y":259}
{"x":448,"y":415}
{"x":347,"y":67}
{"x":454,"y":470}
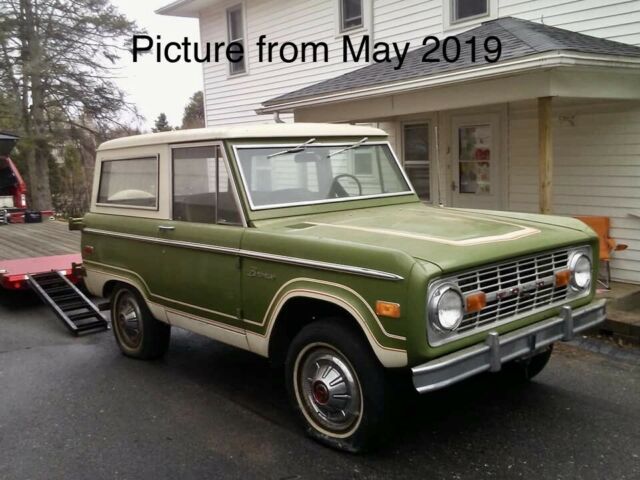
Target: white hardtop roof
{"x":284,"y":130}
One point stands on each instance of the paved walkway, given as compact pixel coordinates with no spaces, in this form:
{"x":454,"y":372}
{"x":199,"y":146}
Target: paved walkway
{"x":623,"y":311}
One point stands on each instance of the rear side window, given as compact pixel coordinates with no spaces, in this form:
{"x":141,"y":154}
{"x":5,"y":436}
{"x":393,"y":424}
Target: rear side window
{"x":129,"y":183}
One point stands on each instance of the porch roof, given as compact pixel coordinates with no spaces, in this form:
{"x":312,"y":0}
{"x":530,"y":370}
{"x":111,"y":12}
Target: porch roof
{"x":185,"y":8}
{"x":526,"y":46}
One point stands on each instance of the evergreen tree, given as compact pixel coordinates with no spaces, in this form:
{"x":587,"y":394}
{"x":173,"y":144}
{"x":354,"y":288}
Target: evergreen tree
{"x":162,"y":124}
{"x":194,"y":112}
{"x":56,"y":61}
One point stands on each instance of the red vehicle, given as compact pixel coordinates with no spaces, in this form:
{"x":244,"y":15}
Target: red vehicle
{"x":13,"y":190}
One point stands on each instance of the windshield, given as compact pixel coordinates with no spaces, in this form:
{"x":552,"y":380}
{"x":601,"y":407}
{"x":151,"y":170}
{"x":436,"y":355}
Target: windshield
{"x":277,"y":177}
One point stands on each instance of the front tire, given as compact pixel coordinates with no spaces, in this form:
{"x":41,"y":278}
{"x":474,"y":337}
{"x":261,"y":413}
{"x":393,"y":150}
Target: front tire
{"x":524,"y":370}
{"x":336,"y":385}
{"x":137,"y":332}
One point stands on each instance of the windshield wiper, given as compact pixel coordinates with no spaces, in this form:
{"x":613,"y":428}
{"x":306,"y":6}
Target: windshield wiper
{"x":350,"y":147}
{"x":300,"y":148}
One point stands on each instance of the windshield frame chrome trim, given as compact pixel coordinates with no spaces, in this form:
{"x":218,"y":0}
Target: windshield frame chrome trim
{"x":254,"y":208}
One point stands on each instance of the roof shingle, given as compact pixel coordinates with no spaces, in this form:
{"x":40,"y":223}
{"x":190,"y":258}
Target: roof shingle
{"x":519,"y":38}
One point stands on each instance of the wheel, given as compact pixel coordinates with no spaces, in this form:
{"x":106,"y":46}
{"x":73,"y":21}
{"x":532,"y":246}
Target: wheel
{"x":336,"y":385}
{"x":524,"y":370}
{"x":137,"y":333}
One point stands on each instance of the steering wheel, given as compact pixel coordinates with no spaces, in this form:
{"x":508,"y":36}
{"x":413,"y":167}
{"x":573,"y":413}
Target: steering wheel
{"x":338,"y":191}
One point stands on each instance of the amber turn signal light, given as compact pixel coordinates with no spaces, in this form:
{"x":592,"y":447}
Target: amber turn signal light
{"x":475,"y":302}
{"x":563,"y":278}
{"x":387,"y":309}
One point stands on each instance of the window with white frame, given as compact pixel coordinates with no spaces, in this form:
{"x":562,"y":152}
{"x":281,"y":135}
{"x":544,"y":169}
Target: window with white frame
{"x":202,"y":191}
{"x":463,"y":10}
{"x":235,"y":34}
{"x":129,"y":183}
{"x":417,"y":162}
{"x":351,"y":14}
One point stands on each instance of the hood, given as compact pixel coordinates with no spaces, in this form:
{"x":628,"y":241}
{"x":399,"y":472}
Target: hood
{"x":452,"y":239}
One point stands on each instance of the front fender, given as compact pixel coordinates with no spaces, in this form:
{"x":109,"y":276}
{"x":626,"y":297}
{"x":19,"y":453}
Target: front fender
{"x":389,"y":348}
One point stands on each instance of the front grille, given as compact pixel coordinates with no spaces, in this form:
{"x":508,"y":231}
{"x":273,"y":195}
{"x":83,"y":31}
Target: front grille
{"x":513,"y":288}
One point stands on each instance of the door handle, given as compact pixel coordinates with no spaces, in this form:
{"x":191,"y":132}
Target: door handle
{"x":454,"y":187}
{"x":166,"y":228}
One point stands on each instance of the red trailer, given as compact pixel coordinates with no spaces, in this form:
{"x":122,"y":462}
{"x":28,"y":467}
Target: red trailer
{"x":41,"y":256}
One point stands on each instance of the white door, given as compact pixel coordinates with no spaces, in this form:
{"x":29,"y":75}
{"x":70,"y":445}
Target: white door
{"x":475,"y":156}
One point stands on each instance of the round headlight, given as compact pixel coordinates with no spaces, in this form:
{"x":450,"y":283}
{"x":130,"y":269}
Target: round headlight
{"x":580,"y":265}
{"x":447,"y":307}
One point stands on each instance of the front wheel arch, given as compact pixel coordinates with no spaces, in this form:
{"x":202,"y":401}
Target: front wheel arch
{"x":299,"y":311}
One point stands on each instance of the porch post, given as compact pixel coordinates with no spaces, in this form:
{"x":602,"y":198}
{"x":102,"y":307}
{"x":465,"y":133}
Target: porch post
{"x":545,"y":159}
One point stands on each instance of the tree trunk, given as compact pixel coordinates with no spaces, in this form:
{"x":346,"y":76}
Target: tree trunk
{"x":37,"y":156}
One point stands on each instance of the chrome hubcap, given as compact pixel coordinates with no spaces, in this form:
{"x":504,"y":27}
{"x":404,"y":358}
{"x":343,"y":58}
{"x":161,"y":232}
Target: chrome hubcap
{"x":329,"y":389}
{"x":128,"y":317}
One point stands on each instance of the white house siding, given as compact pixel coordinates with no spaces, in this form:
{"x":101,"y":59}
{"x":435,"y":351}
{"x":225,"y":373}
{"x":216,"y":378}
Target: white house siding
{"x":234,"y":99}
{"x":617,"y":20}
{"x":596,"y":170}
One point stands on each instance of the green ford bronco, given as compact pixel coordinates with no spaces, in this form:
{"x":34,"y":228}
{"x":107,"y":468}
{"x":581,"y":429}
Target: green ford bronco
{"x":306,"y":244}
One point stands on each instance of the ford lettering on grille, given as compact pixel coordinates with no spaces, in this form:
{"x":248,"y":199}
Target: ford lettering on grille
{"x":513,"y":288}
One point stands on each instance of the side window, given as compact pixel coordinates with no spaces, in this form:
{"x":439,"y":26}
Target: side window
{"x":351,"y":14}
{"x":201,"y":187}
{"x":129,"y":183}
{"x":235,"y":33}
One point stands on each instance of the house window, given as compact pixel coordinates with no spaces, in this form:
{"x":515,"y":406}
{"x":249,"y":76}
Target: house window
{"x":362,"y":163}
{"x":462,"y":10}
{"x":235,"y":34}
{"x":351,"y":15}
{"x":417,"y":162}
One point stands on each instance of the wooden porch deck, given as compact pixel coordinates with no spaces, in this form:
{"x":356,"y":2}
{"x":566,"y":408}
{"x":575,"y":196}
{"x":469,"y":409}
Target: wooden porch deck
{"x":51,"y":237}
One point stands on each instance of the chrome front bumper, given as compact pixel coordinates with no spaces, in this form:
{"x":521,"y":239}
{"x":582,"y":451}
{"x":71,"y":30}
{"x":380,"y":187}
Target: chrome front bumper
{"x":499,"y":349}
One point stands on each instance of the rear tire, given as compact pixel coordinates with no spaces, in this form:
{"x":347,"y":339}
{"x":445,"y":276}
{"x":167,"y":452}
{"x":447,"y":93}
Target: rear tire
{"x":336,"y":385}
{"x":138,"y":333}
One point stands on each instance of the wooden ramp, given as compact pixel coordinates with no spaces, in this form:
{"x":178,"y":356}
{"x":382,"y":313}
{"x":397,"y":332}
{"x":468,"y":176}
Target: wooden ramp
{"x":24,"y":240}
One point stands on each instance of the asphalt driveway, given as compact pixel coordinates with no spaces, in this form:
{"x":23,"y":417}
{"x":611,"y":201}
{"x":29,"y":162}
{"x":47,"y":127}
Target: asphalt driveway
{"x":76,"y":408}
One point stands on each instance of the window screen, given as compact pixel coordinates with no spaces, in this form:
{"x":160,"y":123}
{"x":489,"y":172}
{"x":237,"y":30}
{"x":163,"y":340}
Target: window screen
{"x":131,"y":182}
{"x":235,"y":33}
{"x":350,"y":14}
{"x":201,"y":187}
{"x":463,"y":9}
{"x":416,"y":158}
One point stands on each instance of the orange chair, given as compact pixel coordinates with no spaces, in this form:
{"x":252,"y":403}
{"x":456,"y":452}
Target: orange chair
{"x":602,"y":225}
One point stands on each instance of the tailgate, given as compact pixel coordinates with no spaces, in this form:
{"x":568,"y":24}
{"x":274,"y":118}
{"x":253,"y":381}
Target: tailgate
{"x":6,"y":201}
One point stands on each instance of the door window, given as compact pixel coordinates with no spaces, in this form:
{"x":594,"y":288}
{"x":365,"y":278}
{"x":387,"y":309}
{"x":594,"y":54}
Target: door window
{"x":475,"y":143}
{"x":202,"y":191}
{"x":417,"y":163}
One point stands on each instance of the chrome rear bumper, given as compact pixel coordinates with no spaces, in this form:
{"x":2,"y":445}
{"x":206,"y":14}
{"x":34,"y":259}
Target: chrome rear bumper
{"x":499,"y":349}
